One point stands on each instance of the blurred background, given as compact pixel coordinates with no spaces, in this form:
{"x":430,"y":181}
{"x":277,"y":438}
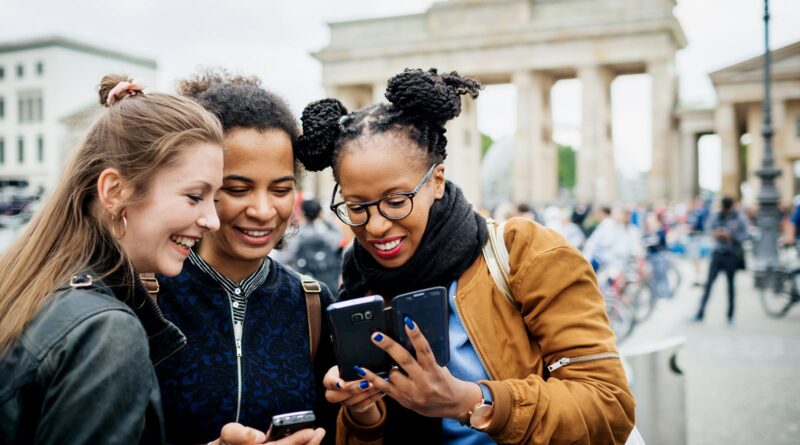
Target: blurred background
{"x":642,"y":112}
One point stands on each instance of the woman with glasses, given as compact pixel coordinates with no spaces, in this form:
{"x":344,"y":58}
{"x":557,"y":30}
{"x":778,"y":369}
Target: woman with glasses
{"x":414,"y":230}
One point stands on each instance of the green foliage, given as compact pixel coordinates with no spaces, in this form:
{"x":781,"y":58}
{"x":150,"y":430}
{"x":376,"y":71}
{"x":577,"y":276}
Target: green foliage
{"x":486,"y":142}
{"x":566,"y":166}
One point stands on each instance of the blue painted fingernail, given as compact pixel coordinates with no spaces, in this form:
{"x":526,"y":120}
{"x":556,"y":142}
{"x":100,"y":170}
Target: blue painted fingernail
{"x":364,"y":385}
{"x":409,"y":322}
{"x":360,"y":371}
{"x":386,"y":379}
{"x":378,"y":337}
{"x":339,"y":384}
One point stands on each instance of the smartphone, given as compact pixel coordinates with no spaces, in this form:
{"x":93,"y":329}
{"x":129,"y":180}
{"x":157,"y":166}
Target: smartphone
{"x":429,"y":310}
{"x":287,"y":424}
{"x":352,"y":323}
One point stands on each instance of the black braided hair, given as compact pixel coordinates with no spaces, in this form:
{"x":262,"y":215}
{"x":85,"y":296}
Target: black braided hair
{"x":240,"y":102}
{"x":421,"y":102}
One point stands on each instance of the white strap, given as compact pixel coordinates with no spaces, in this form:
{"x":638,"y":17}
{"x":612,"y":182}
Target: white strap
{"x":495,"y":253}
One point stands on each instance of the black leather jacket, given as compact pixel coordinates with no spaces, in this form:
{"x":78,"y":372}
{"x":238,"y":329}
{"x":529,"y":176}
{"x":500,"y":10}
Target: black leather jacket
{"x":82,"y":370}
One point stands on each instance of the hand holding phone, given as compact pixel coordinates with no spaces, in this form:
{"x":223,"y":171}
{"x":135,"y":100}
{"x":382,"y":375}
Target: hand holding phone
{"x":352,"y":323}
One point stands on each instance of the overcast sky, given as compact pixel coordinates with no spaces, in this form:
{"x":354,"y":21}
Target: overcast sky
{"x":273,"y":38}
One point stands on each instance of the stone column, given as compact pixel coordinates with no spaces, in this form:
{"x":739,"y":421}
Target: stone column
{"x":687,"y":166}
{"x":535,"y":162}
{"x":725,"y":126}
{"x":464,"y":151}
{"x":596,"y":174}
{"x":664,"y":178}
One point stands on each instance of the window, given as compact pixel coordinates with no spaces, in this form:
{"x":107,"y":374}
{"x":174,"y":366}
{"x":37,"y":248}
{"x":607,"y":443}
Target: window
{"x":2,"y":72}
{"x":2,"y":108}
{"x":40,"y":149}
{"x":2,"y":151}
{"x":20,"y":150}
{"x":20,"y":70}
{"x":39,"y":68}
{"x":30,"y":107}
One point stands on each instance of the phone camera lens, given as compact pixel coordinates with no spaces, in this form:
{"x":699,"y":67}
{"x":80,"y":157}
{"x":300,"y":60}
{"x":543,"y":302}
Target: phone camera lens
{"x":368,"y":315}
{"x":355,"y":318}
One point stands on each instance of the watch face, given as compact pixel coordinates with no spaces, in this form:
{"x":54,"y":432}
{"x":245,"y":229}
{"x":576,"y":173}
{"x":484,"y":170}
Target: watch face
{"x":481,"y":417}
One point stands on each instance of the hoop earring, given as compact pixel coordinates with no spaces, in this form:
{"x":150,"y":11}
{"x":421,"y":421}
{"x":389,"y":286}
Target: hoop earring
{"x":114,"y":226}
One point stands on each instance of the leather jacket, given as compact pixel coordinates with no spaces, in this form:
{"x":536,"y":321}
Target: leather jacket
{"x":82,"y":370}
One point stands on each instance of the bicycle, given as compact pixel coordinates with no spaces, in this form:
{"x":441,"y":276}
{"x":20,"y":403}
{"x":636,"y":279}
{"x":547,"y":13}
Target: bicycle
{"x":779,"y":290}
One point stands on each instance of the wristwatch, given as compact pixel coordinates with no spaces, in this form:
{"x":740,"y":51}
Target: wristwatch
{"x":480,"y":416}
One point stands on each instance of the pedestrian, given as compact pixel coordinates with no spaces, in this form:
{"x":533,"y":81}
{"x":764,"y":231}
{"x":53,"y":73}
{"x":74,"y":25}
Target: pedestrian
{"x":80,"y":335}
{"x":414,"y":229}
{"x":315,"y":250}
{"x":249,"y":327}
{"x":729,"y":230}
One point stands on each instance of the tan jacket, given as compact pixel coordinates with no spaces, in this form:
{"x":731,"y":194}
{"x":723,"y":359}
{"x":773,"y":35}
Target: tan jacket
{"x":563,"y":316}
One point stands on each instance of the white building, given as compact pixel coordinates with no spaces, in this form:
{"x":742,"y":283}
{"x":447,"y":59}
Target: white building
{"x":41,"y":82}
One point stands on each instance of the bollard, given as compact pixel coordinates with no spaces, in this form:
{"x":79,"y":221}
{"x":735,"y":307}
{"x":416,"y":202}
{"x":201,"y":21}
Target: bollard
{"x":659,"y":386}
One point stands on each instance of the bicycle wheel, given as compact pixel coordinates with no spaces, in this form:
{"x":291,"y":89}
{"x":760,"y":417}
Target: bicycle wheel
{"x":621,"y":318}
{"x":674,"y":279}
{"x":644,"y":301}
{"x":776,"y":293}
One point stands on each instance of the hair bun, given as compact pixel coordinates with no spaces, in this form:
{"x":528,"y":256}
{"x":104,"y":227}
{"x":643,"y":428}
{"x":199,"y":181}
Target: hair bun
{"x":107,"y":83}
{"x":320,"y":121}
{"x":430,"y":95}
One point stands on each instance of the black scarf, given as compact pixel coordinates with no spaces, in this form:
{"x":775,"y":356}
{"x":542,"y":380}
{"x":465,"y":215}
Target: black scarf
{"x":453,"y":239}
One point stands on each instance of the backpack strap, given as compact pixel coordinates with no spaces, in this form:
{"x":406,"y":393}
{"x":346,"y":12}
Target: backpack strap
{"x":495,"y":253}
{"x":312,"y":289}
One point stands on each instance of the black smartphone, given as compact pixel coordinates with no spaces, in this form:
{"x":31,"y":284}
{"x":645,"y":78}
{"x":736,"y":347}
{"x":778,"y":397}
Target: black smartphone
{"x":352,"y":323}
{"x":287,"y":424}
{"x":429,"y":310}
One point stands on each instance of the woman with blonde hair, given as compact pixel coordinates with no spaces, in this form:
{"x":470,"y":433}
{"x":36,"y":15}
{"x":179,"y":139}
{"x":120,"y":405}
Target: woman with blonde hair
{"x":80,"y":335}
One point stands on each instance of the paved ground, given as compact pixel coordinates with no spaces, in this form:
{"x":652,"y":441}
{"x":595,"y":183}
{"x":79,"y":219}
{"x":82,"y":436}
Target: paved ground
{"x":742,"y":381}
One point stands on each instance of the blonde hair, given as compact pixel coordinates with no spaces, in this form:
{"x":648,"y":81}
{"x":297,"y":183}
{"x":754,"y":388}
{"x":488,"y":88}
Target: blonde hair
{"x":138,"y":135}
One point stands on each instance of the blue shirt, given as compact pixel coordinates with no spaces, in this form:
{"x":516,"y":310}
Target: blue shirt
{"x":464,"y":365}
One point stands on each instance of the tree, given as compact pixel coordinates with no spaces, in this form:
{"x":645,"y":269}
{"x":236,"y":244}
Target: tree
{"x":566,"y":166}
{"x":486,"y":142}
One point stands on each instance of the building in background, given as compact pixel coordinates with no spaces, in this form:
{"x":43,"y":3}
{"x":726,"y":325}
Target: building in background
{"x":740,"y":92}
{"x":42,"y":82}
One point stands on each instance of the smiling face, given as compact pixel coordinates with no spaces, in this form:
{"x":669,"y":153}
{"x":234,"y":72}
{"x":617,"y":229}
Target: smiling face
{"x":255,"y":202}
{"x":375,"y":166}
{"x":177,"y":210}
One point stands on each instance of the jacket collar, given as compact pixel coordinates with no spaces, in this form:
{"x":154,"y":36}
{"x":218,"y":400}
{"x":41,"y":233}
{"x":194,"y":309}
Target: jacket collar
{"x":164,"y":337}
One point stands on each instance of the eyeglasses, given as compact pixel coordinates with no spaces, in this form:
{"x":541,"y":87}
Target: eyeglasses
{"x":393,"y":206}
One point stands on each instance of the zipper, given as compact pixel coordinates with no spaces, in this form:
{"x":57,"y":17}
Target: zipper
{"x":474,"y":346}
{"x":237,"y":339}
{"x":586,"y":358}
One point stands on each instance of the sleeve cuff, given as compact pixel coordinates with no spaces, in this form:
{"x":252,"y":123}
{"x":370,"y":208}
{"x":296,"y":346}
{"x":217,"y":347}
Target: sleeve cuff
{"x":364,"y":433}
{"x":503,"y":401}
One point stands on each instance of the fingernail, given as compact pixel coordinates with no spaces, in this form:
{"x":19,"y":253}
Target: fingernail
{"x":386,"y":379}
{"x":364,"y":385}
{"x":339,"y":384}
{"x":378,"y":337}
{"x":409,"y":322}
{"x":360,"y":371}
{"x":260,"y":437}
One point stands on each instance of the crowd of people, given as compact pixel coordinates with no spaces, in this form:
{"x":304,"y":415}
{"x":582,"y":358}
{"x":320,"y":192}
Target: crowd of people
{"x":173,"y":287}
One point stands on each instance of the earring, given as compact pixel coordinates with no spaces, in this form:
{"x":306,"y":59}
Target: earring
{"x":114,"y":225}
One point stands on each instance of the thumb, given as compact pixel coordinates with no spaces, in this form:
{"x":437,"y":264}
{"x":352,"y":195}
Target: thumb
{"x":238,"y":434}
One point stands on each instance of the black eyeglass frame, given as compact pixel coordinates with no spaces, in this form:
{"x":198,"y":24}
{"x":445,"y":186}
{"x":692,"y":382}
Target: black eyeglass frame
{"x":376,"y":202}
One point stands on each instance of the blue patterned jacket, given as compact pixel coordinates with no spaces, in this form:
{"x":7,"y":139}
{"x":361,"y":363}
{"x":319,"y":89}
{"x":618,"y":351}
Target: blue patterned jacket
{"x":199,"y":383}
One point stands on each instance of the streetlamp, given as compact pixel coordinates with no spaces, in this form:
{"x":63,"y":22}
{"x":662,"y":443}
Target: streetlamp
{"x":766,"y":249}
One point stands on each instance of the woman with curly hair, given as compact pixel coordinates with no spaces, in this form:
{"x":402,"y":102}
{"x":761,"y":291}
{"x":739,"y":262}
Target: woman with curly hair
{"x":245,"y":315}
{"x":543,"y":369}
